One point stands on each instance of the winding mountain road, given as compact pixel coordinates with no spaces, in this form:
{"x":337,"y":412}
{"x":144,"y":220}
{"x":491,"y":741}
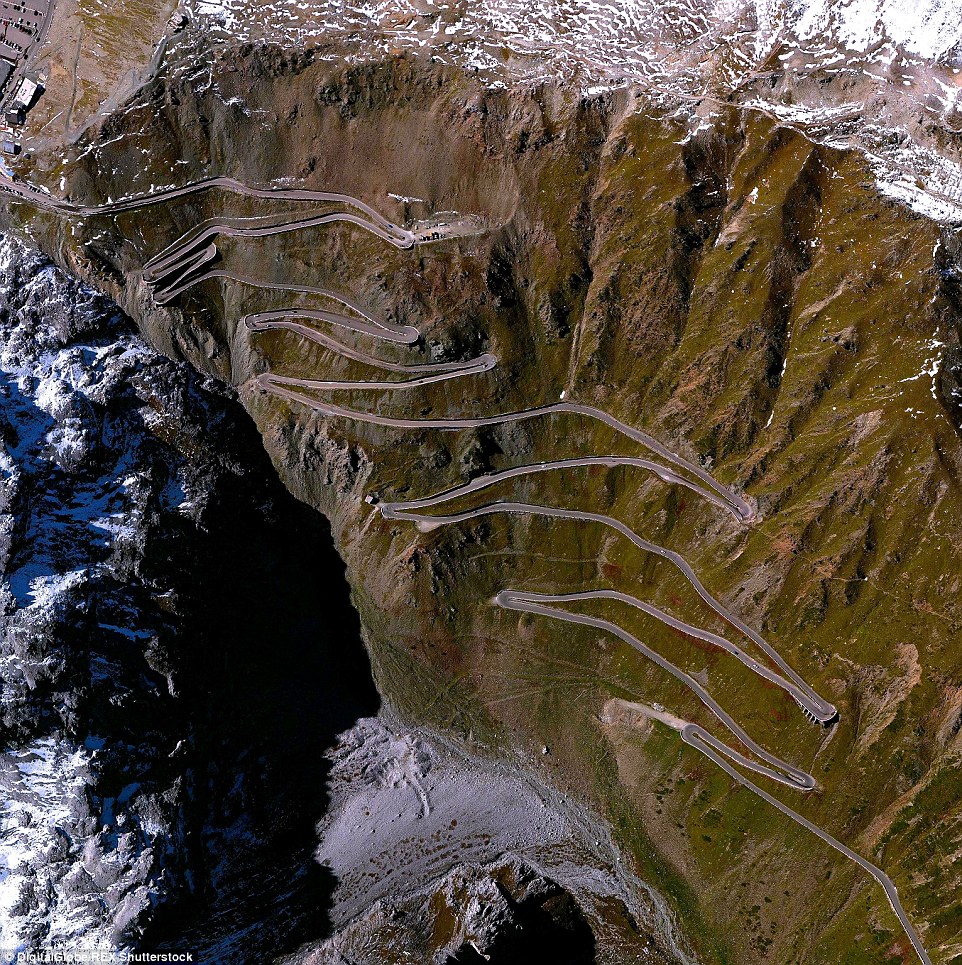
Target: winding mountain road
{"x":32,"y":195}
{"x":170,"y":285}
{"x":801,"y":696}
{"x":738,"y":504}
{"x":483,"y":365}
{"x":168,"y":273}
{"x":541,"y":604}
{"x":188,"y":261}
{"x":806,"y":697}
{"x":281,"y":318}
{"x":261,"y":226}
{"x":256,"y":323}
{"x":262,"y":321}
{"x":701,"y":740}
{"x":547,"y":605}
{"x":714,"y":750}
{"x":491,"y":479}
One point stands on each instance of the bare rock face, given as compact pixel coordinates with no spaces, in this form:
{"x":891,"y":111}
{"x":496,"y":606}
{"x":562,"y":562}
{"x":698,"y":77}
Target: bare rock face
{"x":509,"y":913}
{"x":504,"y":913}
{"x":91,"y":819}
{"x":440,"y":854}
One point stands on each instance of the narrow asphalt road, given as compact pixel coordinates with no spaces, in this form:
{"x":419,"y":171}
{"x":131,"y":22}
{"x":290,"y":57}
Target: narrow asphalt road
{"x":182,"y":264}
{"x":482,"y":365}
{"x":188,"y":274}
{"x":402,"y":335}
{"x":742,"y":508}
{"x":800,"y":691}
{"x":250,"y":226}
{"x":799,"y":695}
{"x":542,"y":605}
{"x":704,"y":742}
{"x":254,"y":318}
{"x":700,"y":739}
{"x":807,"y":698}
{"x":29,"y":193}
{"x":168,"y":272}
{"x":491,"y":479}
{"x":175,"y":270}
{"x":257,"y":323}
{"x":546,"y":604}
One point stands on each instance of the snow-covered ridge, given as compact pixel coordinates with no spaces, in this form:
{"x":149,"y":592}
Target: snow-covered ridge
{"x":868,"y":67}
{"x":80,"y":476}
{"x":128,"y":484}
{"x":929,"y":28}
{"x":638,"y":39}
{"x":109,"y":464}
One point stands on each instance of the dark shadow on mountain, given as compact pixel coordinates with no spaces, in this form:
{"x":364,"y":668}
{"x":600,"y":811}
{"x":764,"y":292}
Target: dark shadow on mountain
{"x":277,"y":671}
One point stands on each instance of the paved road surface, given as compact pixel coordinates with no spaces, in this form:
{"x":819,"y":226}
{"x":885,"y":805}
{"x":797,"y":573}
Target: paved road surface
{"x":807,"y":698}
{"x":381,"y":386}
{"x":182,"y":264}
{"x":700,"y":739}
{"x":542,"y":604}
{"x":256,"y":323}
{"x":490,"y":479}
{"x":254,"y":319}
{"x":261,"y":321}
{"x":168,"y":273}
{"x":27,"y":192}
{"x":796,"y":686}
{"x":246,"y":226}
{"x":800,"y":696}
{"x":713,"y":748}
{"x":742,"y":508}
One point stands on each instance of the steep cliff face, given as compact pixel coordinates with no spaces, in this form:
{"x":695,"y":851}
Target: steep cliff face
{"x":741,"y":293}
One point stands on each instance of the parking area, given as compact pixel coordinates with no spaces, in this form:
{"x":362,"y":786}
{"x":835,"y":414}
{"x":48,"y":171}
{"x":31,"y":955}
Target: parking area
{"x":21,"y":25}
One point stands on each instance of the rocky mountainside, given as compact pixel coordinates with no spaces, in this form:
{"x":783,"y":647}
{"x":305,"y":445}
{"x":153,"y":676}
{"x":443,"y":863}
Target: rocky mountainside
{"x":742,"y":291}
{"x":882,"y":76}
{"x":441,"y":857}
{"x":140,"y":778}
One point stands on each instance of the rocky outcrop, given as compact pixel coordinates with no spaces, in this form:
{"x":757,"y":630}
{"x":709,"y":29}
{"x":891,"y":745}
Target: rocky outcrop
{"x":500,"y":914}
{"x":440,"y":855}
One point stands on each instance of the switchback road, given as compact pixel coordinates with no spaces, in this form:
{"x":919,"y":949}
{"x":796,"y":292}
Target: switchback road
{"x":543,"y":604}
{"x":700,"y":739}
{"x":490,"y":479}
{"x":713,"y":749}
{"x":189,"y":261}
{"x":258,"y":323}
{"x":741,"y":507}
{"x":26,"y":192}
{"x":263,"y":321}
{"x":168,"y":273}
{"x":183,"y":267}
{"x":819,"y":708}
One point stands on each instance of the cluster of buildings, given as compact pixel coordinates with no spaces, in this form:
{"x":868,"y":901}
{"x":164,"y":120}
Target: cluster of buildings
{"x":22,"y":25}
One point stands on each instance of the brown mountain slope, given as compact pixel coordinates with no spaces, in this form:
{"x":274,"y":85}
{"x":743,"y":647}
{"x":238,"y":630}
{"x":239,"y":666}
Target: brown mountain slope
{"x":745,"y":296}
